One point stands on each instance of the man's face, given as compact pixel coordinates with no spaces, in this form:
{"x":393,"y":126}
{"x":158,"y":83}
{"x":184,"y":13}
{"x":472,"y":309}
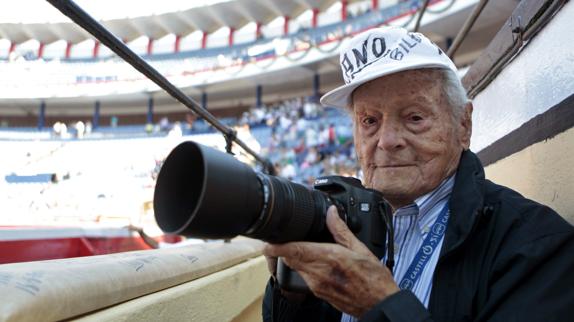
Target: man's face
{"x":406,"y":137}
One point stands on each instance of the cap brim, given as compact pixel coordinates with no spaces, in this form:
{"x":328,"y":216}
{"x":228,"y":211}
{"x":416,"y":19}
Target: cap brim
{"x":341,"y":96}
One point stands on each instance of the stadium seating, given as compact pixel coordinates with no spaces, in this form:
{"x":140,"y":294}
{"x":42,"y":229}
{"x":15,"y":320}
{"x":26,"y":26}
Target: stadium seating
{"x":110,"y":172}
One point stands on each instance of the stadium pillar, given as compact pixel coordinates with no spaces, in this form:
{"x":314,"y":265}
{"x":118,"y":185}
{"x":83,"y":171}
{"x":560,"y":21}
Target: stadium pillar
{"x":149,"y":46}
{"x":204,"y":100}
{"x":286,"y":25}
{"x":68,"y":49}
{"x":12,"y":48}
{"x":257,"y":30}
{"x":316,"y":86}
{"x":150,"y":110}
{"x":314,"y":17}
{"x":42,"y":115}
{"x":231,"y":32}
{"x":344,"y":10}
{"x":204,"y":40}
{"x":259,"y":96}
{"x":96,"y":117}
{"x":41,"y":50}
{"x":96,"y":49}
{"x":177,"y":43}
{"x":375,"y":4}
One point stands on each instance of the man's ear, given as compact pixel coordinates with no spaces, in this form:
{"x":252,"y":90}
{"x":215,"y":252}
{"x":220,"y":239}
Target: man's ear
{"x":466,"y":126}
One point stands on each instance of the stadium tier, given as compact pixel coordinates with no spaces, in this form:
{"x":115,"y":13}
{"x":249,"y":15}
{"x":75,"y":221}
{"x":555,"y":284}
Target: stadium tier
{"x":230,"y":76}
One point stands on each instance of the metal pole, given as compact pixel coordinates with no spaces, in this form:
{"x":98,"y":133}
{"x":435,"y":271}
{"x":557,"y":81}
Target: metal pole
{"x":150,"y":110}
{"x":84,"y":20}
{"x":42,"y":115}
{"x":420,"y":17}
{"x":316,"y":86}
{"x":466,"y":28}
{"x":96,"y":118}
{"x":258,"y":96}
{"x":204,"y":100}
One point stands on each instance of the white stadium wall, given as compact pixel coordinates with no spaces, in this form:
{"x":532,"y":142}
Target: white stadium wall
{"x":522,"y":122}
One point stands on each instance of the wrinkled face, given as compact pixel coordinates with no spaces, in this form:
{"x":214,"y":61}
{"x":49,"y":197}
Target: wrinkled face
{"x":406,"y":137}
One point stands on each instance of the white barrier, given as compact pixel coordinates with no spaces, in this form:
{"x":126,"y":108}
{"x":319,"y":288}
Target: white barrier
{"x":63,"y":289}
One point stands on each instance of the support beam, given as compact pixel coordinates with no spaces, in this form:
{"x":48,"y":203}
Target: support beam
{"x":316,"y":86}
{"x":204,"y":40}
{"x":68,"y":50}
{"x":177,"y":44}
{"x":149,"y":50}
{"x":12,"y":48}
{"x":96,"y":50}
{"x":231,"y":32}
{"x":41,"y":50}
{"x":259,"y":96}
{"x":258,"y":30}
{"x":150,"y":110}
{"x":42,"y":116}
{"x":96,"y":117}
{"x":204,"y":100}
{"x":285,"y":25}
{"x":315,"y":17}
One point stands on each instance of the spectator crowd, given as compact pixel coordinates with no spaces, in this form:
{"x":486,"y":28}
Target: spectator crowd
{"x":305,"y":140}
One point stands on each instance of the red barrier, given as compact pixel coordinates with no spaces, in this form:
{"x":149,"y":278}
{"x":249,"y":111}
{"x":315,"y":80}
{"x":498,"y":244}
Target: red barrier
{"x":14,"y":251}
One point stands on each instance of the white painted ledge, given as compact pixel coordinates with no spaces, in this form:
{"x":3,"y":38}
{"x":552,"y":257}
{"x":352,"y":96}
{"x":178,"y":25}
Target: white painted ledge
{"x":66,"y":288}
{"x":234,"y":294}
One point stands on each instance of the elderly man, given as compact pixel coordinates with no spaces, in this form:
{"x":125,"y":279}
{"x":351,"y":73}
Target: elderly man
{"x":501,"y":256}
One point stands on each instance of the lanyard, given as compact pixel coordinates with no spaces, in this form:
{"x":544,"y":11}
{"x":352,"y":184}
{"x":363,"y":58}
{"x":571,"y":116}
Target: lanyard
{"x":424,"y":254}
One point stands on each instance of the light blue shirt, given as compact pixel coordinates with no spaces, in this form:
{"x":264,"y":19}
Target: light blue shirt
{"x":412,"y":224}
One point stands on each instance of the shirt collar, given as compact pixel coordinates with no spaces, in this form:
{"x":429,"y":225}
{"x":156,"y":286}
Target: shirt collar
{"x":425,"y":204}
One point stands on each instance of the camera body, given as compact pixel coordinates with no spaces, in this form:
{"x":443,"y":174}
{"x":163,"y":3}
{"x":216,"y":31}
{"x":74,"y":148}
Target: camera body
{"x":363,"y":210}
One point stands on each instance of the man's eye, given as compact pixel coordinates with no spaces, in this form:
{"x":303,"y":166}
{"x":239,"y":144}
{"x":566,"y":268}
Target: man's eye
{"x":369,"y":121}
{"x":415,"y":118}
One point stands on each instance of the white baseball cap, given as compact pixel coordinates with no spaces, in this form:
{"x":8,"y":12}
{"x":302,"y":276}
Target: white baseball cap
{"x":382,"y":51}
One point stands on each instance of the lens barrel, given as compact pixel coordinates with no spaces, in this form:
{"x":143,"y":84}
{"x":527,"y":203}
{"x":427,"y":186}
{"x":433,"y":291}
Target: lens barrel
{"x":204,"y":193}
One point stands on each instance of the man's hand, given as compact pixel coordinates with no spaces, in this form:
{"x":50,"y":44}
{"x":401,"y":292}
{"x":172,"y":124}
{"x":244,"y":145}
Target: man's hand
{"x":291,"y":296}
{"x":345,"y":274}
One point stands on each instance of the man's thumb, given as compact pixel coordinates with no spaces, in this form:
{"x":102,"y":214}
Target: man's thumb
{"x":342,"y":234}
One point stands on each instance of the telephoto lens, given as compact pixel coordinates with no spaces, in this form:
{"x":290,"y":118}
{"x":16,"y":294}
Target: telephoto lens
{"x":204,"y":193}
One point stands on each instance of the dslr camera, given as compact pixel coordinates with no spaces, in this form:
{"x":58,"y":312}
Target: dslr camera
{"x":204,"y":193}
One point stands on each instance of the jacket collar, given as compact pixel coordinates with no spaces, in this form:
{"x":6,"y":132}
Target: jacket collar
{"x":466,"y":201}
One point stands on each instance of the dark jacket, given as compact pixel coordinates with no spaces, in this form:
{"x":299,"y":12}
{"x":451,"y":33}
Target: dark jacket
{"x":504,"y":258}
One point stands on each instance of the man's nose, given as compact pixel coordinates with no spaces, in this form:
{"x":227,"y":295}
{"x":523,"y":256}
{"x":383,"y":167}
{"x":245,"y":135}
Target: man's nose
{"x":390,"y":136}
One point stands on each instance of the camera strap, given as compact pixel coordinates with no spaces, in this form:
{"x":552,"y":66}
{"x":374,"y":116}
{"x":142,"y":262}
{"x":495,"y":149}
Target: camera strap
{"x":430,"y":244}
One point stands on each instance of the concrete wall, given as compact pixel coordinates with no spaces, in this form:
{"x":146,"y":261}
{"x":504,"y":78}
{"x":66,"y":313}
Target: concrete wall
{"x":541,"y":76}
{"x":522,"y":122}
{"x":541,"y":172}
